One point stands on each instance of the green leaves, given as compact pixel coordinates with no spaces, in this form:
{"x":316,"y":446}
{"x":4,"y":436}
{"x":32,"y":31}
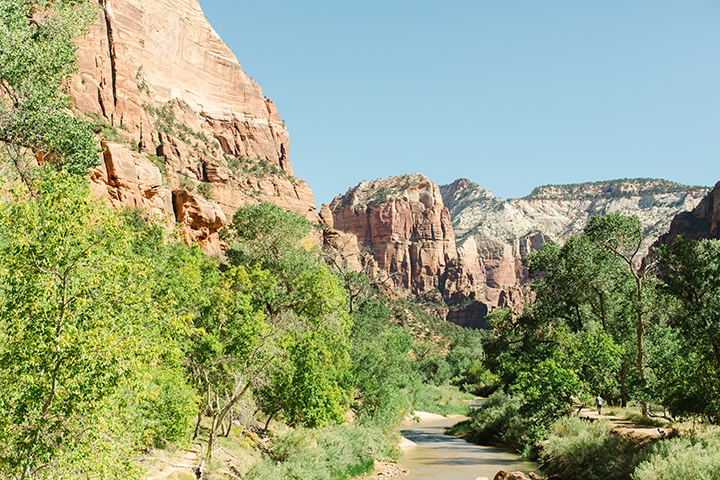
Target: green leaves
{"x":72,"y":316}
{"x":37,"y":55}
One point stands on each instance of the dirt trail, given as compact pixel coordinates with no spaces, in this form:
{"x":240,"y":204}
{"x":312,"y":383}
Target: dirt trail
{"x":625,"y":427}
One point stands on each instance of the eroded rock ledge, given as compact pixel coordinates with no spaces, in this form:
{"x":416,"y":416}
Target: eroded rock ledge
{"x":188,"y":134}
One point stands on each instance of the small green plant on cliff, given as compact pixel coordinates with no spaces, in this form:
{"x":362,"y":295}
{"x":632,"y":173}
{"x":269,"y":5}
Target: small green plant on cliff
{"x":205,"y":190}
{"x":104,"y":130}
{"x":142,"y":86}
{"x":186,"y":184}
{"x":166,"y":121}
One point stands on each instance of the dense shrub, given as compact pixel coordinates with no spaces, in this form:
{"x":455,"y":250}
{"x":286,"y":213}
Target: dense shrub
{"x":580,"y":449}
{"x":445,"y":400}
{"x":498,"y":422}
{"x":329,"y":454}
{"x":681,"y":459}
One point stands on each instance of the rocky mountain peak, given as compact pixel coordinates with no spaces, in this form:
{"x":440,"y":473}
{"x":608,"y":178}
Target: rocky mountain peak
{"x":403,"y":223}
{"x":494,"y":235}
{"x":413,"y":188}
{"x":182,"y":123}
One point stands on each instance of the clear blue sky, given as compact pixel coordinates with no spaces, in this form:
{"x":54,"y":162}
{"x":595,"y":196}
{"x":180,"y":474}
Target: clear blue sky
{"x":511,"y":94}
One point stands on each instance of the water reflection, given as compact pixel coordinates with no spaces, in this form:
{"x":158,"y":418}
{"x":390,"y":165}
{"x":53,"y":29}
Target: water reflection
{"x":441,"y":457}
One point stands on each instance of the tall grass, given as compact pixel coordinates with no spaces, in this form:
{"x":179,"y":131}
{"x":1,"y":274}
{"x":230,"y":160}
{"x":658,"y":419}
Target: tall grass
{"x":580,"y":449}
{"x":334,"y":453}
{"x":681,"y":459}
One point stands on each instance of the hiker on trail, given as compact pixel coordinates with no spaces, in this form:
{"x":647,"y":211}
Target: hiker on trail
{"x":598,"y":402}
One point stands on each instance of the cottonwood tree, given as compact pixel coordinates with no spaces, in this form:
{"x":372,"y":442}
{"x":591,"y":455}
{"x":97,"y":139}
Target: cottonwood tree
{"x":38,"y":56}
{"x":231,"y":345}
{"x":692,"y":277}
{"x":72,"y":330}
{"x":622,"y":236}
{"x":581,"y":286}
{"x":301,"y":343}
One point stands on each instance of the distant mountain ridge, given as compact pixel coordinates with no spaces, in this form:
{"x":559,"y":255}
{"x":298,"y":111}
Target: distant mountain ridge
{"x":495,"y":235}
{"x":466,"y":245}
{"x":609,"y":189}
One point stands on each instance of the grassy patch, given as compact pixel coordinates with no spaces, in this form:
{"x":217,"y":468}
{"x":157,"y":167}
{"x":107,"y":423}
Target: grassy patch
{"x":636,"y":417}
{"x":444,"y":400}
{"x":334,"y":453}
{"x":588,"y":450}
{"x":681,"y":459}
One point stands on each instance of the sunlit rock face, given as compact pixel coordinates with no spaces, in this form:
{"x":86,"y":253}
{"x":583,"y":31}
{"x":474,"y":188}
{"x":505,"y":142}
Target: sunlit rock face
{"x":176,"y":96}
{"x":702,"y":222}
{"x":495,"y":235}
{"x":404,"y":224}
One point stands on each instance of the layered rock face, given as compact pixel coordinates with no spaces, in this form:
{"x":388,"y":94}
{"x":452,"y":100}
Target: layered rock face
{"x":190,"y":131}
{"x":403,"y":223}
{"x":494,"y":235}
{"x":703,"y":222}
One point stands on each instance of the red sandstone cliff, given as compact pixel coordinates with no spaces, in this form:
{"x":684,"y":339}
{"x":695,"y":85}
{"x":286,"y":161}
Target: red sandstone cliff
{"x":703,"y":222}
{"x":189,"y":134}
{"x":403,"y":223}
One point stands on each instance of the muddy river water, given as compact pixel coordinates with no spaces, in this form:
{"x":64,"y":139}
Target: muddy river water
{"x":441,"y":457}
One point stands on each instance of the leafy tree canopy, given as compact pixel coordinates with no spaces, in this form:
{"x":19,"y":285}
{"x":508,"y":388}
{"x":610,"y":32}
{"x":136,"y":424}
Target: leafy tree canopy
{"x":38,"y":55}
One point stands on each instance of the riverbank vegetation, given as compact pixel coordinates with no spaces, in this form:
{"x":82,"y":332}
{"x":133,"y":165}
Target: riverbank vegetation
{"x":637,"y":332}
{"x":120,"y":345}
{"x":117,"y":340}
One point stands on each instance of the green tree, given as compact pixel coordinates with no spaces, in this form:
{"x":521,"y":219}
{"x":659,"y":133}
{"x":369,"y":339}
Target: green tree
{"x":74,"y":323}
{"x":307,"y":311}
{"x":231,"y":341}
{"x":622,"y":236}
{"x":692,"y":277}
{"x":383,"y":371}
{"x":38,"y":55}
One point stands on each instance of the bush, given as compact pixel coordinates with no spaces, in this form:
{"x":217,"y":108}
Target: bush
{"x":580,"y":449}
{"x":498,"y":422}
{"x":681,"y":459}
{"x":205,"y":190}
{"x":329,"y":454}
{"x":162,"y":410}
{"x":481,"y":381}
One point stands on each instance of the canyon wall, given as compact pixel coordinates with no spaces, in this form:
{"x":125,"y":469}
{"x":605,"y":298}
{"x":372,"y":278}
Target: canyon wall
{"x":188,"y":135}
{"x":494,"y":235}
{"x":403,"y":224}
{"x":702,"y":222}
{"x":460,"y":250}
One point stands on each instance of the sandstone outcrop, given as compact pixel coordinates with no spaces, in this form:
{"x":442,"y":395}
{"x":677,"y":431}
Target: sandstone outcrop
{"x":178,"y":112}
{"x":495,"y":235}
{"x":703,"y":222}
{"x":403,"y":223}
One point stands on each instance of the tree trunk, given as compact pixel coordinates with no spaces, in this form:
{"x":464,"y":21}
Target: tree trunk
{"x":601,"y":295}
{"x":579,"y":318}
{"x":270,"y":417}
{"x":197,"y":425}
{"x":623,"y":396}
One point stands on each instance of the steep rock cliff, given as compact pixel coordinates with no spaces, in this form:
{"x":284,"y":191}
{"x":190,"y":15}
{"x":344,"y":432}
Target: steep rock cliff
{"x":494,"y":235}
{"x":403,"y":223}
{"x":186,"y":126}
{"x":700,"y":223}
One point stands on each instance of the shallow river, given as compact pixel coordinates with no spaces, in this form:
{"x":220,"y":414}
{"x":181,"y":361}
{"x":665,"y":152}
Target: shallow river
{"x":441,"y":457}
